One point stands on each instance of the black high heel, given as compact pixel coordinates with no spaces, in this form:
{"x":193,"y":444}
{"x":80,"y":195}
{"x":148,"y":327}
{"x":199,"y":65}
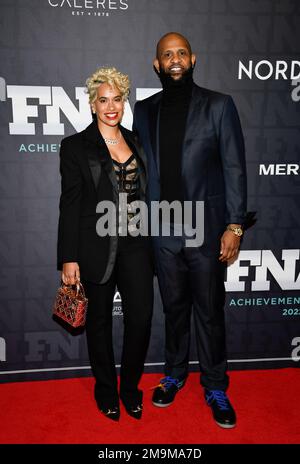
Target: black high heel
{"x":135,"y":411}
{"x":111,"y":413}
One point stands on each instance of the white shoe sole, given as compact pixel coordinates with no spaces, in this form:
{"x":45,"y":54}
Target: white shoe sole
{"x":225,"y":426}
{"x":160,"y":405}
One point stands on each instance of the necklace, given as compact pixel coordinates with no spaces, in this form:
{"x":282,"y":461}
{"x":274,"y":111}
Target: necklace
{"x":112,"y":141}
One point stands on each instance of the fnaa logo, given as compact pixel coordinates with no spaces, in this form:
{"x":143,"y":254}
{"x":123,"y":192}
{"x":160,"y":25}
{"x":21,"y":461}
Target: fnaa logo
{"x":32,"y":106}
{"x":90,"y":7}
{"x":284,"y":271}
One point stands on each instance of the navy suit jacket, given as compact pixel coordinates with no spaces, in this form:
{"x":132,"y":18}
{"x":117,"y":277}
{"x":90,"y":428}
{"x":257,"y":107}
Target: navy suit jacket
{"x":213,"y":159}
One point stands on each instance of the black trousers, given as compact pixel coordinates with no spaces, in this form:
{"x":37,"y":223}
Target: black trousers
{"x":133,"y":275}
{"x":188,"y":279}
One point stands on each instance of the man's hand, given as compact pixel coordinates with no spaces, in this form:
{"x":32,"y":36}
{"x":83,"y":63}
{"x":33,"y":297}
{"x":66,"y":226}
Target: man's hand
{"x":70,"y":273}
{"x":230,"y":244}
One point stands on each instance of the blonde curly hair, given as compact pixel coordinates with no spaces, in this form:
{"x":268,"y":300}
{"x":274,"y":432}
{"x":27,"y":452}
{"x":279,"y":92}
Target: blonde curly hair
{"x":109,"y":76}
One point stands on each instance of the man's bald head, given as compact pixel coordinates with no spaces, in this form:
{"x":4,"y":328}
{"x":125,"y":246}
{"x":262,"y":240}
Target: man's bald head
{"x":169,"y":38}
{"x":174,"y":56}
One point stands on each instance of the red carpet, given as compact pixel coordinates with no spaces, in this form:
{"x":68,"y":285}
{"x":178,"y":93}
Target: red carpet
{"x":64,"y":411}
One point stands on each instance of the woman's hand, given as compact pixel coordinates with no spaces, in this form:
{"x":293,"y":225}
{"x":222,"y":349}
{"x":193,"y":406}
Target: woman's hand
{"x":70,"y":273}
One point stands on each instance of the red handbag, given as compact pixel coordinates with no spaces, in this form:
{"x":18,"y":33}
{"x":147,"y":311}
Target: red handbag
{"x":71,"y":304}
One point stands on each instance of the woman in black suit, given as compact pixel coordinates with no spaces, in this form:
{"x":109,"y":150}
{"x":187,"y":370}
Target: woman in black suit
{"x":97,"y":165}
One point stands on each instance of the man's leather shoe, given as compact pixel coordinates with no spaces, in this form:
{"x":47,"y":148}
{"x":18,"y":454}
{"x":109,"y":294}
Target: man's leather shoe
{"x":112,"y":413}
{"x":164,"y":394}
{"x":222,"y":411}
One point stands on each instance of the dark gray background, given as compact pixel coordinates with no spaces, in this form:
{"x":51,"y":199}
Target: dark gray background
{"x":42,"y":45}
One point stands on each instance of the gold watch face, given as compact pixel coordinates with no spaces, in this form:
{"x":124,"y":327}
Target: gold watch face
{"x":238,"y":231}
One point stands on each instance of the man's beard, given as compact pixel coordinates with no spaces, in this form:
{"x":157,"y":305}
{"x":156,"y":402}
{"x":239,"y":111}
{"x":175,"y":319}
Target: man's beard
{"x":167,"y":80}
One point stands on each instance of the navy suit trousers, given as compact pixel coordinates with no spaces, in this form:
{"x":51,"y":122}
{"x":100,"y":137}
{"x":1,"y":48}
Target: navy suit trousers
{"x":188,"y":281}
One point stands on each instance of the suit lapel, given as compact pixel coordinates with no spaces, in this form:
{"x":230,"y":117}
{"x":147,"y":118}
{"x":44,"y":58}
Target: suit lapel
{"x":134,"y":144}
{"x":193,"y":115}
{"x":154,"y":113}
{"x":192,"y":124}
{"x":98,"y":156}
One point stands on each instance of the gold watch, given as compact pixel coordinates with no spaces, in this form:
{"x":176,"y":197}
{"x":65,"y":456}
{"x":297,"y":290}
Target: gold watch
{"x":236,"y":230}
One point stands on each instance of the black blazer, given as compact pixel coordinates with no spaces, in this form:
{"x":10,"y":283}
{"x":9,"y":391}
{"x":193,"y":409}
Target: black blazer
{"x":88,"y":177}
{"x":213,"y":159}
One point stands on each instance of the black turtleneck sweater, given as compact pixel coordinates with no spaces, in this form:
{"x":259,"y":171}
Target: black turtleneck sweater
{"x":173,"y":115}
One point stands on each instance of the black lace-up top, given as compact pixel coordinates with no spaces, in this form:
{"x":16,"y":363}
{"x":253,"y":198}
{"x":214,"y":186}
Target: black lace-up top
{"x":128,"y":177}
{"x":128,"y":182}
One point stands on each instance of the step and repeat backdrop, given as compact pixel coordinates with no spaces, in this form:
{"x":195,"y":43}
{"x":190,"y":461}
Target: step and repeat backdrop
{"x":249,"y":49}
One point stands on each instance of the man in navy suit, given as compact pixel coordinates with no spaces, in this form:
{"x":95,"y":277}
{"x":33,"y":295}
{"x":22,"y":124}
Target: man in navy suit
{"x":195,"y":153}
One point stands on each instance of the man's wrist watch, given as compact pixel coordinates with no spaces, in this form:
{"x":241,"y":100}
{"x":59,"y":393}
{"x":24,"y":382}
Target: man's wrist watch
{"x":236,"y":230}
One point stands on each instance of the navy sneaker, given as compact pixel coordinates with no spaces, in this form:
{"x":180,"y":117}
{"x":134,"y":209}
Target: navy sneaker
{"x":222,"y":411}
{"x":164,"y":394}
